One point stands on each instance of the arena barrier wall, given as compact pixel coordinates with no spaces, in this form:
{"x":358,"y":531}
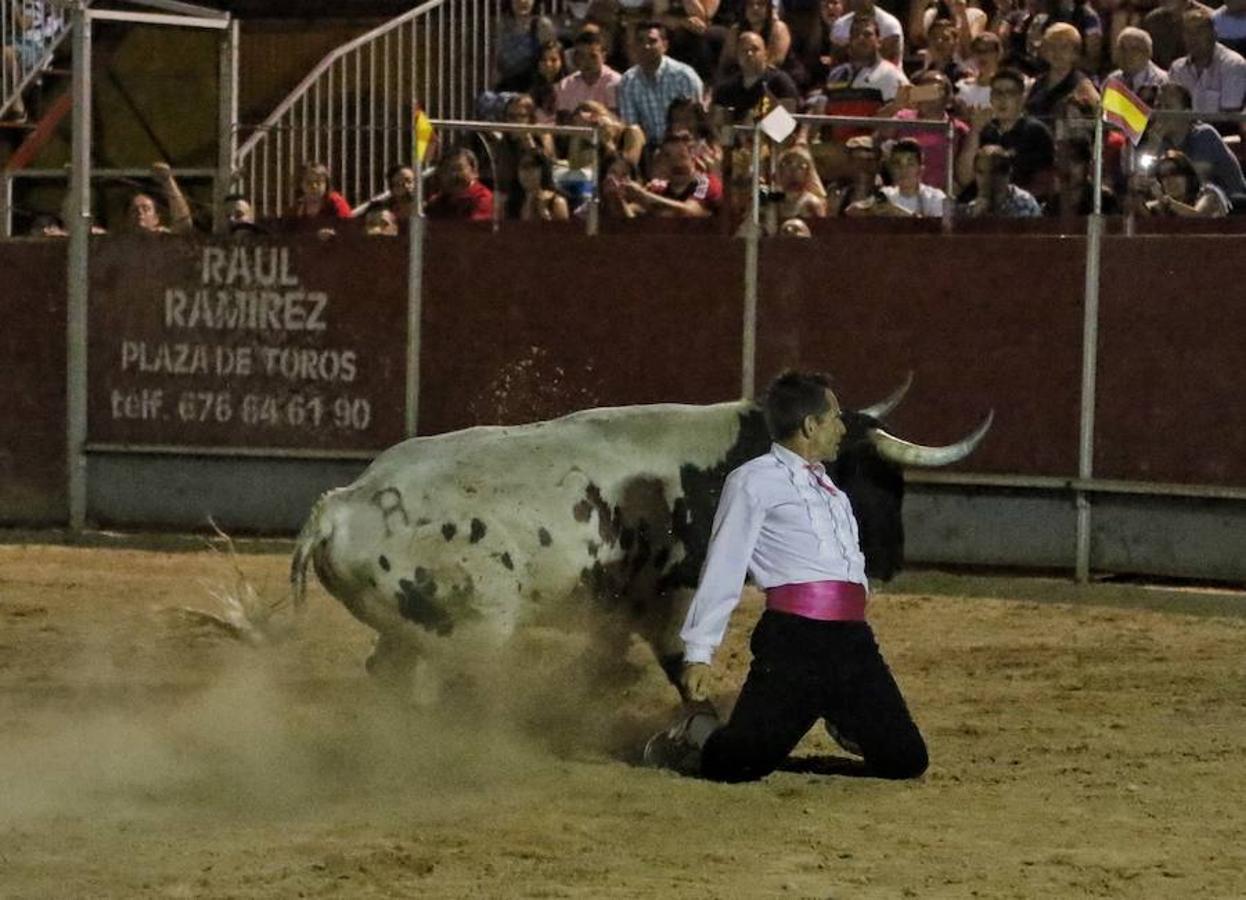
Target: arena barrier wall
{"x":984,"y":321}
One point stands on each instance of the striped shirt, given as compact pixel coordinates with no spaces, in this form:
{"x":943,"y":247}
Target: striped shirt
{"x":783,"y":522}
{"x":643,"y":100}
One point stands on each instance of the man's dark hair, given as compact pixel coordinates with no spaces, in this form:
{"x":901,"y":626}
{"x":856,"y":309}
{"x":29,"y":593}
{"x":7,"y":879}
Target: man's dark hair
{"x":790,"y":398}
{"x":907,"y":145}
{"x":1009,"y":75}
{"x":589,"y":36}
{"x":650,"y":24}
{"x":457,"y":152}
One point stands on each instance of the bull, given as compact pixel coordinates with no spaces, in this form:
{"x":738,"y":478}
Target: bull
{"x":476,"y":532}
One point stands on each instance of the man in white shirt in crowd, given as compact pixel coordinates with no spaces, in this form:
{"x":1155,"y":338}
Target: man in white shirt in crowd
{"x":866,"y":67}
{"x":1214,"y":75}
{"x":890,"y":31}
{"x":781,"y":519}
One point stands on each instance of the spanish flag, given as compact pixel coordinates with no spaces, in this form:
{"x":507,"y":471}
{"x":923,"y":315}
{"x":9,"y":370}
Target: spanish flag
{"x":1122,"y":108}
{"x":424,"y":135}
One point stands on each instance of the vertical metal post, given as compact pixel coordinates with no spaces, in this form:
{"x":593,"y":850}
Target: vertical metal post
{"x":79,"y":233}
{"x":949,"y":202}
{"x":6,"y":205}
{"x":594,"y":201}
{"x":227,"y":115}
{"x":415,"y":299}
{"x":1090,"y":354}
{"x":752,"y":246}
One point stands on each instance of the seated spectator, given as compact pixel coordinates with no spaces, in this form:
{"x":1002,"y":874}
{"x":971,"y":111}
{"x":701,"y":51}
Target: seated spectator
{"x":508,"y":148}
{"x":533,"y":197}
{"x":1177,"y":190}
{"x":758,"y":17}
{"x":687,"y":24}
{"x":795,"y":228}
{"x":993,"y":193}
{"x":1164,"y":25}
{"x":239,"y":216}
{"x":401,"y":182}
{"x":797,"y":179}
{"x":810,"y":59}
{"x":680,"y":190}
{"x":966,"y":22}
{"x":615,"y":137}
{"x":929,"y":106}
{"x":517,"y":39}
{"x":909,"y":195}
{"x":647,"y":88}
{"x":617,"y":173}
{"x":866,"y":68}
{"x":1005,"y":124}
{"x":888,"y":31}
{"x":1063,"y":83}
{"x":1074,"y":189}
{"x":1200,"y":142}
{"x":860,"y":196}
{"x":1214,"y":75}
{"x":143,"y":216}
{"x":544,"y":89}
{"x":460,"y":194}
{"x":1132,"y":54}
{"x":317,"y":201}
{"x":943,"y":51}
{"x":1230,"y":22}
{"x":690,"y":118}
{"x":757,"y":87}
{"x":974,"y":90}
{"x":380,"y":221}
{"x":593,"y":79}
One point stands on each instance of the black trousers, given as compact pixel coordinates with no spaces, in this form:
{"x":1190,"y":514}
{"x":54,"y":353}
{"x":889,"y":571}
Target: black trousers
{"x":804,"y":670}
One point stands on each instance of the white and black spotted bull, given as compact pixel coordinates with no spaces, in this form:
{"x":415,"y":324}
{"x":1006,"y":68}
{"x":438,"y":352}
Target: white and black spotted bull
{"x":478,"y":531}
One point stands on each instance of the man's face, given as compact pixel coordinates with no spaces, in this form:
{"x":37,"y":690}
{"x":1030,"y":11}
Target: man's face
{"x":459,"y":173}
{"x":381,"y":223}
{"x":1060,"y":52}
{"x":751,"y":54}
{"x":987,"y":176}
{"x":1200,"y":37}
{"x":941,"y":42}
{"x":650,"y":48}
{"x":143,"y":215}
{"x":863,"y":41}
{"x":315,"y":184}
{"x":826,"y":431}
{"x":757,"y":10}
{"x":239,"y":212}
{"x":906,"y":169}
{"x":831,"y":10}
{"x":1131,"y":55}
{"x":589,"y":58}
{"x":402,"y":184}
{"x":677,"y":162}
{"x":1006,"y":99}
{"x":985,"y":56}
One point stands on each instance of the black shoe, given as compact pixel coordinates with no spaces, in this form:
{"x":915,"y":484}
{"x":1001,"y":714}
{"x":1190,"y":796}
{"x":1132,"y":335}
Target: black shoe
{"x":673,"y":748}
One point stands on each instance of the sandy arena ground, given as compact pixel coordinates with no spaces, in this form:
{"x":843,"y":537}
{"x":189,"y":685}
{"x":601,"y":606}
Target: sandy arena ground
{"x":1085,"y":742}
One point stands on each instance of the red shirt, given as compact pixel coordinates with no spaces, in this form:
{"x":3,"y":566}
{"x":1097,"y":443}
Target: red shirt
{"x":473,"y":205}
{"x":707,"y":190}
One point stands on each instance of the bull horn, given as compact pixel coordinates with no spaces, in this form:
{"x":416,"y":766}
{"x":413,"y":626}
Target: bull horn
{"x":880,"y":409}
{"x":904,"y":453}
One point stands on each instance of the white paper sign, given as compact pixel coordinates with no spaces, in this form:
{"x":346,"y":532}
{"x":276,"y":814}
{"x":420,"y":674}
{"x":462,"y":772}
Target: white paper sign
{"x":778,"y":125}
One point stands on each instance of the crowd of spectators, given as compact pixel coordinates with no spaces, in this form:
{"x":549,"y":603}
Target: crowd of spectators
{"x":989,"y":109}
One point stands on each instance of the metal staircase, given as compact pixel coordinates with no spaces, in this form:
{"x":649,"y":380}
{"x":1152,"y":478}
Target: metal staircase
{"x":354,"y":111}
{"x":31,"y":32}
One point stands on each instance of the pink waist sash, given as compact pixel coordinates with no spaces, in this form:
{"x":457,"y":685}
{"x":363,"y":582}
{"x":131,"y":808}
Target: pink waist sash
{"x":826,"y":601}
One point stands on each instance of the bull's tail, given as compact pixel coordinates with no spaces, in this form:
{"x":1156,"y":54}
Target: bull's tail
{"x":316,"y":530}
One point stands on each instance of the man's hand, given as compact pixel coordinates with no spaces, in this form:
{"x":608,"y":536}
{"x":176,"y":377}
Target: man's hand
{"x":695,"y":680}
{"x":161,"y":172}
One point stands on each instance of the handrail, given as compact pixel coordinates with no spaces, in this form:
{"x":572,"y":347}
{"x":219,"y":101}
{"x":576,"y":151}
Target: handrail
{"x":27,"y":77}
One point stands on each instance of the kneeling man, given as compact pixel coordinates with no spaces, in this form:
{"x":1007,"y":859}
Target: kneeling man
{"x":781,"y":519}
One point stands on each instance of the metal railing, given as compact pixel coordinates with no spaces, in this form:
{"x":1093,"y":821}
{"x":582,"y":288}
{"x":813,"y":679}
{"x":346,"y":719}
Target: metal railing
{"x":30,"y":32}
{"x":354,"y":111}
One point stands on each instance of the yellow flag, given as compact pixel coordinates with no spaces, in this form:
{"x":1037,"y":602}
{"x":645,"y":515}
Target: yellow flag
{"x":1122,"y":107}
{"x":424,"y":135}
